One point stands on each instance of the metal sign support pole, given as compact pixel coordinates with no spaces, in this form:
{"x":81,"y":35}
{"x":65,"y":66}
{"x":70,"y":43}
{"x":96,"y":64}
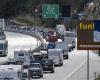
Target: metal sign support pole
{"x":88,"y":65}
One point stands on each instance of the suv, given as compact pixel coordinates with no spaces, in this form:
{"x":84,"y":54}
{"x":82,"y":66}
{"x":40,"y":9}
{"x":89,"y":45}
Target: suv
{"x":36,"y":70}
{"x":37,"y":55}
{"x":44,"y":53}
{"x":47,"y":65}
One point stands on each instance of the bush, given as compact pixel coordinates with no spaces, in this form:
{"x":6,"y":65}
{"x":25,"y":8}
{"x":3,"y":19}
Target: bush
{"x":98,"y":78}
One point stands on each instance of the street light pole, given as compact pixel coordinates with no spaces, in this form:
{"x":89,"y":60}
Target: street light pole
{"x":88,"y":65}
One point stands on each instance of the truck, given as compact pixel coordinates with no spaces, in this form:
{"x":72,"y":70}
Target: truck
{"x":56,"y":55}
{"x":60,"y":28}
{"x":13,"y":72}
{"x":24,"y":56}
{"x":44,"y":53}
{"x":52,"y":38}
{"x":51,"y":45}
{"x":64,"y":46}
{"x":37,"y":55}
{"x":50,"y":33}
{"x":3,"y":48}
{"x":69,"y":37}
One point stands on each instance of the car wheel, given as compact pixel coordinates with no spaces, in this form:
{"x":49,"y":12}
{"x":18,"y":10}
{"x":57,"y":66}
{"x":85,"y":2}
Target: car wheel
{"x":61,"y":64}
{"x":41,"y":76}
{"x":32,"y":77}
{"x":69,"y":49}
{"x":74,"y":47}
{"x":52,"y":71}
{"x":66,"y":57}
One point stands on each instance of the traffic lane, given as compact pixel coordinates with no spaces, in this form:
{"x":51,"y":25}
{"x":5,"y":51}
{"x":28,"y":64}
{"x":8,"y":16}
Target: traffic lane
{"x":19,"y":41}
{"x":81,"y":74}
{"x":77,"y":59}
{"x":69,"y":66}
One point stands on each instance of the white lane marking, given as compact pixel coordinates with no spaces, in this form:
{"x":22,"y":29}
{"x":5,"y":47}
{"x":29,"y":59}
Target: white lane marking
{"x":67,"y":77}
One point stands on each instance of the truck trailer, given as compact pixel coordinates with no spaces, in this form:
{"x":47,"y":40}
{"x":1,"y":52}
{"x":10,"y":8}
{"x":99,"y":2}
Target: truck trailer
{"x":56,"y":55}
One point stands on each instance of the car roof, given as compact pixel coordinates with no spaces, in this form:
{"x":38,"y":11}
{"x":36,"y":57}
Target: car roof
{"x":35,"y":63}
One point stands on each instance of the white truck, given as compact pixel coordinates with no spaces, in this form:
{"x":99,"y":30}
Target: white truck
{"x":64,"y":46}
{"x":3,"y":48}
{"x":56,"y":55}
{"x":60,"y":28}
{"x":13,"y":72}
{"x":23,"y":56}
{"x":69,"y":38}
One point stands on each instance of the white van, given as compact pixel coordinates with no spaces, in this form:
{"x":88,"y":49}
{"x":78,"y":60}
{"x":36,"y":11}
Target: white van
{"x":62,"y":45}
{"x":23,"y":56}
{"x":11,"y":72}
{"x":56,"y":55}
{"x":69,"y":38}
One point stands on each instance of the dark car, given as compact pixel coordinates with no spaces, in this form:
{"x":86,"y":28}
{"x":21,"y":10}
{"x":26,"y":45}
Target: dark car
{"x":35,"y":70}
{"x":47,"y":65}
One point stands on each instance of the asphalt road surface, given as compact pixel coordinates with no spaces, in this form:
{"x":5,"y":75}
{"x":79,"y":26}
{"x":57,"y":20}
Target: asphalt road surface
{"x":75,"y":68}
{"x":19,"y":41}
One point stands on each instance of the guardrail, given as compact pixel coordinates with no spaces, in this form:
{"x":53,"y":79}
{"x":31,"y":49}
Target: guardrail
{"x":27,"y":31}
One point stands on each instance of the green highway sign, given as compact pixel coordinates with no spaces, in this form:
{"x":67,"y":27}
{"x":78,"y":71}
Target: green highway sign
{"x":50,"y":11}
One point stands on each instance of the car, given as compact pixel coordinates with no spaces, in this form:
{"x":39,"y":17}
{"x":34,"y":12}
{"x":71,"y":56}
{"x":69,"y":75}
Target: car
{"x":70,"y":47}
{"x":35,"y":69}
{"x":47,"y":65}
{"x":44,"y":53}
{"x":37,"y":56}
{"x":12,"y":62}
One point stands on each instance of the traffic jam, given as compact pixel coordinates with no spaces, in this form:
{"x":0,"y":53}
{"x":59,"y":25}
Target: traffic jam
{"x":27,"y":64}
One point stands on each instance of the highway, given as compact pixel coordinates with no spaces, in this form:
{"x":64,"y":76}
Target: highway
{"x":19,"y":41}
{"x":73,"y":69}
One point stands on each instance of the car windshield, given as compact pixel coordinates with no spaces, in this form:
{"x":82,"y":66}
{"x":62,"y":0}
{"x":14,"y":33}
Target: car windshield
{"x":35,"y":65}
{"x":46,"y":62}
{"x":37,"y":57}
{"x":21,"y":54}
{"x":24,"y":75}
{"x":2,"y":34}
{"x":69,"y":35}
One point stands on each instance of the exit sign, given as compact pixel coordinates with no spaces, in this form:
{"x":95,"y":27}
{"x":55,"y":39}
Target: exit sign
{"x":50,"y":11}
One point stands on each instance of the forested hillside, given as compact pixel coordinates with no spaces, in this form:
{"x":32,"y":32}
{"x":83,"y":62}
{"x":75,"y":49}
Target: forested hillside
{"x":9,"y":8}
{"x":23,"y":11}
